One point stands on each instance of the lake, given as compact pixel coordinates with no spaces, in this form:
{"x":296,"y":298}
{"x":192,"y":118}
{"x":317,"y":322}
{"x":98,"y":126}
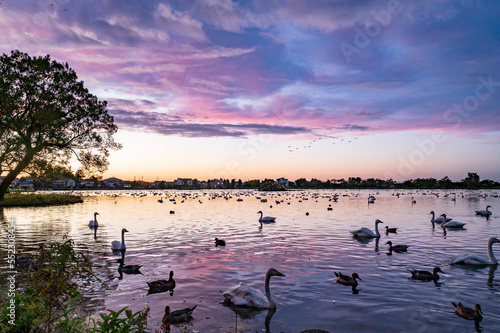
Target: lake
{"x":308,"y":249}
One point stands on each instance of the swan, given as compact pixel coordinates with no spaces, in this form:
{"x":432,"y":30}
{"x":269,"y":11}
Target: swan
{"x":438,"y":219}
{"x":116,"y":245}
{"x":452,"y":223}
{"x":468,"y":313}
{"x":265,"y":219}
{"x":486,"y":212}
{"x":397,"y":248}
{"x":93,"y":223}
{"x":425,"y":275}
{"x":367,"y":233}
{"x":244,"y":295}
{"x":347,"y":280}
{"x":474,"y":259}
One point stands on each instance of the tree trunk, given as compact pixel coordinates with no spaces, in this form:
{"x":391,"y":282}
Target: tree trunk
{"x":13,"y":173}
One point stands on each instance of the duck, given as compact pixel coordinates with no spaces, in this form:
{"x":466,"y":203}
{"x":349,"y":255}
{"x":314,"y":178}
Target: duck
{"x":347,"y":280}
{"x":474,"y":259}
{"x":367,"y":233}
{"x":468,"y":313}
{"x":93,"y":223}
{"x":244,"y":295}
{"x":425,"y":275}
{"x":117,"y":245}
{"x":397,"y":248}
{"x":265,"y":219}
{"x":178,"y":316}
{"x":486,"y":212}
{"x":160,"y":200}
{"x":452,"y":223}
{"x":128,"y":269}
{"x":438,"y":219}
{"x":162,"y":285}
{"x":391,"y":230}
{"x":220,"y":242}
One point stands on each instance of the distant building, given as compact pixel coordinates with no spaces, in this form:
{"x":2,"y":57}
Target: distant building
{"x":282,"y":182}
{"x":202,"y":184}
{"x":64,"y":183}
{"x":216,"y":183}
{"x":185,"y":182}
{"x":28,"y":182}
{"x":113,"y":182}
{"x":87,"y":183}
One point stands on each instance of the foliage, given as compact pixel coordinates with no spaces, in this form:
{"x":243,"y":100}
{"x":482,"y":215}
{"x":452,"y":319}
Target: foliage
{"x":47,"y":116}
{"x":112,"y":323}
{"x":46,"y":302}
{"x":50,"y":289}
{"x":35,"y":199}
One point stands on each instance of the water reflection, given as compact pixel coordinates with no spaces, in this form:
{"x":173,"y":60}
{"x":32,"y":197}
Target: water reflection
{"x":309,"y":248}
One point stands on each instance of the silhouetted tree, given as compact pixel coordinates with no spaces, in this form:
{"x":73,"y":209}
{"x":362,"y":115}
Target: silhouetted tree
{"x":48,"y":116}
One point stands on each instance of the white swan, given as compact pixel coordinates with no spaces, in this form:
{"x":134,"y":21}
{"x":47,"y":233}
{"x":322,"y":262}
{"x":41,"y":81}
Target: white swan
{"x":452,"y":223}
{"x":244,"y":295}
{"x":474,"y":259}
{"x":117,"y":245}
{"x":265,"y":219}
{"x":438,"y":219}
{"x":93,"y":223}
{"x":367,"y":233}
{"x":486,"y":212}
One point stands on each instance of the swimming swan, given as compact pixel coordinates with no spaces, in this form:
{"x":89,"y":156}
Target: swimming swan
{"x":452,"y":223}
{"x":367,"y":233}
{"x":265,"y":219}
{"x":93,"y":223}
{"x":438,"y":219}
{"x":244,"y":295}
{"x":474,"y":259}
{"x":486,"y":212}
{"x":116,"y":245}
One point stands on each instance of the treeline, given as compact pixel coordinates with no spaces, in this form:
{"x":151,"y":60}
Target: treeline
{"x":472,"y":181}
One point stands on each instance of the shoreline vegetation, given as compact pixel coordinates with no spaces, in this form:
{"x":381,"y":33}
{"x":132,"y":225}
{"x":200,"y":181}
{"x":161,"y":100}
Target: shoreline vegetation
{"x":57,"y":268}
{"x":39,"y":199}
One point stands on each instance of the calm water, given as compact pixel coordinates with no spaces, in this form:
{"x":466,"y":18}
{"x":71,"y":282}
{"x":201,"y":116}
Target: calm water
{"x":308,"y":249}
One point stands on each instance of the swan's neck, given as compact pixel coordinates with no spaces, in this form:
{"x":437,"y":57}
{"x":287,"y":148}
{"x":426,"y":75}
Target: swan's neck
{"x":123,"y":240}
{"x":95,"y":217}
{"x":268,"y":292}
{"x":433,"y":217}
{"x":376,"y":230}
{"x":490,"y":252}
{"x":487,"y":209}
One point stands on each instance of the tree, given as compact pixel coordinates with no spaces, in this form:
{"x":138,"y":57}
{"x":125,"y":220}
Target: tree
{"x":48,"y":116}
{"x":472,"y":180}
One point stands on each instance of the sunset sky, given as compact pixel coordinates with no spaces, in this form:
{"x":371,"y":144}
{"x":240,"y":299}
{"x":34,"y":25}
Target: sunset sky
{"x":266,"y":89}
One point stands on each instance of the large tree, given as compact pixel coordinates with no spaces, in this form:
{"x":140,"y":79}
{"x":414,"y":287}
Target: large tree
{"x":47,"y":117}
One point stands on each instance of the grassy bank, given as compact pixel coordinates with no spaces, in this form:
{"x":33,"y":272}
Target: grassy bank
{"x":35,"y":199}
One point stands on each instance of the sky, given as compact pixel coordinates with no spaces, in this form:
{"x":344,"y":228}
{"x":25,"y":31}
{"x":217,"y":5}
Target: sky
{"x":266,"y":89}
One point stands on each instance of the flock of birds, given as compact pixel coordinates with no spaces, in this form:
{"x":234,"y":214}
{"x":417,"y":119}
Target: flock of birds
{"x":463,"y":259}
{"x":243,"y":295}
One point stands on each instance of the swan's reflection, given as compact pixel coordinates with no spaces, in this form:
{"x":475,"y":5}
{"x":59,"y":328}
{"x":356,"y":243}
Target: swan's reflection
{"x":249,"y":313}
